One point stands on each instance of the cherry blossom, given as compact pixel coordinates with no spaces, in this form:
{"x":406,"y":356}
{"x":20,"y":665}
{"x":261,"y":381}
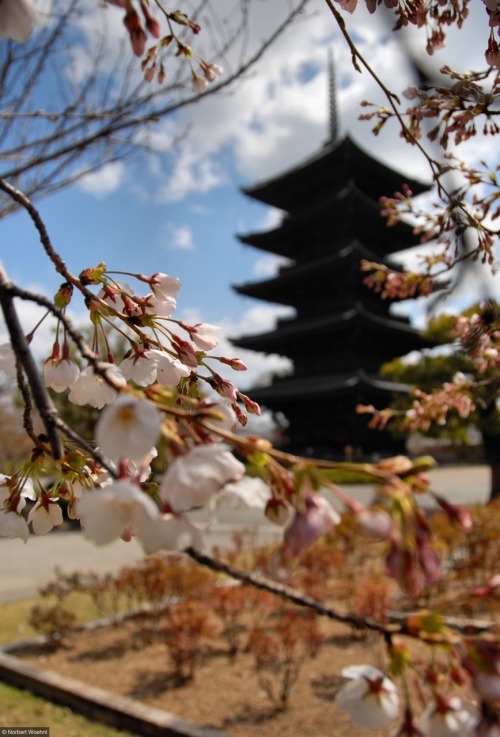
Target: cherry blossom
{"x":248,"y":492}
{"x":318,"y":518}
{"x":45,"y":515}
{"x":12,"y":502}
{"x":121,"y":509}
{"x":191,"y":480}
{"x":13,"y":524}
{"x":140,"y":367}
{"x":448,"y":717}
{"x":169,"y":370}
{"x":164,"y":286}
{"x":106,"y":514}
{"x":211,"y":71}
{"x":203,"y":336}
{"x":61,"y":374}
{"x":369,"y":697}
{"x":199,"y":84}
{"x":128,"y":428}
{"x":375,"y":523}
{"x":349,"y":5}
{"x":226,"y":416}
{"x":159,"y":306}
{"x":17,"y":18}
{"x":170,"y":532}
{"x":90,"y":388}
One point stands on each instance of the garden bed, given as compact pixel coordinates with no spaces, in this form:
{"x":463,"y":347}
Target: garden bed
{"x":200,"y":651}
{"x":225,"y":693}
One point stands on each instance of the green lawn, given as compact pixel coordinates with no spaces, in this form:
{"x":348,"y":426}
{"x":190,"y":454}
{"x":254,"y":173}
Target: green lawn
{"x":22,"y":709}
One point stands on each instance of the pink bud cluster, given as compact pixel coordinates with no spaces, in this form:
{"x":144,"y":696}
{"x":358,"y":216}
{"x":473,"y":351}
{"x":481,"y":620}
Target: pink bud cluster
{"x":434,"y":407}
{"x":137,"y":24}
{"x":392,"y":284}
{"x":481,"y":341}
{"x":140,"y":24}
{"x":158,"y":353}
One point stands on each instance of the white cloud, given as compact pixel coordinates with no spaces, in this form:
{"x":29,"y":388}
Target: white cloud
{"x":105,"y":180}
{"x":30,"y":314}
{"x":182,"y":238}
{"x":269,"y":265}
{"x":278,"y":115}
{"x":260,"y":318}
{"x":191,"y":173}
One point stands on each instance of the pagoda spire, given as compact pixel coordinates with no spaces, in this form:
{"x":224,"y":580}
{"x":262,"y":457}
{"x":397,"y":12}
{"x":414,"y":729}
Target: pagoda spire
{"x":332,"y":98}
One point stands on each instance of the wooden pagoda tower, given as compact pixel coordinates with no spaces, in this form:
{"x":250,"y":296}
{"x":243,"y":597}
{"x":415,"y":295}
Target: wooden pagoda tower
{"x":342,"y":332}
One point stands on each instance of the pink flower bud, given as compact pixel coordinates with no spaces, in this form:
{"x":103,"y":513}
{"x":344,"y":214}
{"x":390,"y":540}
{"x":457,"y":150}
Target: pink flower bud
{"x":250,"y":405}
{"x":318,"y":518}
{"x":235,"y":363}
{"x":136,"y":32}
{"x":375,"y":523}
{"x":152,"y":24}
{"x":200,"y":84}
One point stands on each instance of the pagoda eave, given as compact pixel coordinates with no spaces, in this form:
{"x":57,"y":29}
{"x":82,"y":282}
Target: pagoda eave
{"x":294,"y":390}
{"x":347,"y":214}
{"x":336,"y":267}
{"x":315,"y":329}
{"x":336,"y":161}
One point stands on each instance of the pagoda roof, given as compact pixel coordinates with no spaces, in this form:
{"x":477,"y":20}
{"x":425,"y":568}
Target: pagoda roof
{"x":326,"y":385}
{"x":327,"y":170}
{"x":277,"y":288}
{"x":291,"y":330}
{"x":345,"y":214}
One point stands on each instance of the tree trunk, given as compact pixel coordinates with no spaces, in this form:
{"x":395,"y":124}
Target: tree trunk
{"x":492,"y":451}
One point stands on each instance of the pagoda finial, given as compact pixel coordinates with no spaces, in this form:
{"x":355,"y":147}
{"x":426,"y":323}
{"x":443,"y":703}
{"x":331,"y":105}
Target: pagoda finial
{"x":333,"y":97}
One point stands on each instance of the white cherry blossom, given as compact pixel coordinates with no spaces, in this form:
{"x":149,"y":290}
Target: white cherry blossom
{"x":17,"y":18}
{"x":107,"y":514}
{"x":369,"y":697}
{"x":12,"y":523}
{"x":248,"y":492}
{"x":45,"y":515}
{"x":227,"y":418}
{"x":159,"y":306}
{"x":141,"y":369}
{"x":128,"y":428}
{"x":164,"y":286}
{"x":449,"y":718}
{"x":203,"y":336}
{"x":122,"y":508}
{"x":191,"y":480}
{"x":169,"y":370}
{"x":170,"y":532}
{"x":112,"y":295}
{"x":92,"y":389}
{"x":61,"y":374}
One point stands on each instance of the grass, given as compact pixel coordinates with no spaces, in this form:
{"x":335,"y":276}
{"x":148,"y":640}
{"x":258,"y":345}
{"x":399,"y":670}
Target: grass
{"x":15,"y":615}
{"x":23,"y":709}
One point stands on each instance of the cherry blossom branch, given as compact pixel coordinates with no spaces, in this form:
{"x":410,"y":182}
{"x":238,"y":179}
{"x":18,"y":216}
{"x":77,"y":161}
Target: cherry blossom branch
{"x":407,"y":624}
{"x":20,"y":345}
{"x":438,"y":169}
{"x":85,"y":350}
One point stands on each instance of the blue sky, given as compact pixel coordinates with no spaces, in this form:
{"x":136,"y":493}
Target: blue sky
{"x":180,"y":212}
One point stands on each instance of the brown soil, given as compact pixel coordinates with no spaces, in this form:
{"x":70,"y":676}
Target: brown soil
{"x":225,"y":693}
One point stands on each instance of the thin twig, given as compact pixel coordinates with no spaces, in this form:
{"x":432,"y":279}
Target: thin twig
{"x":43,"y":402}
{"x":398,"y":627}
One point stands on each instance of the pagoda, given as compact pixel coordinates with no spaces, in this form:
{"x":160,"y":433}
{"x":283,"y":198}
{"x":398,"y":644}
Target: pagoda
{"x":341,"y":332}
